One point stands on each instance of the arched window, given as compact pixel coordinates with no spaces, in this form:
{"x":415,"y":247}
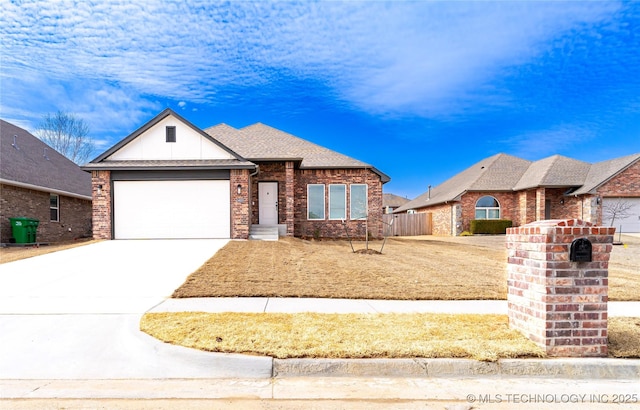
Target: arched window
{"x":487,"y":207}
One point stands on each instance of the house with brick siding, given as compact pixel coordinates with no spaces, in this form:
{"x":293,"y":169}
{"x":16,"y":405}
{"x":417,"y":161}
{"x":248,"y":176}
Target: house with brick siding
{"x":170,"y":179}
{"x":391,"y":202}
{"x":38,"y":182}
{"x":507,"y":187}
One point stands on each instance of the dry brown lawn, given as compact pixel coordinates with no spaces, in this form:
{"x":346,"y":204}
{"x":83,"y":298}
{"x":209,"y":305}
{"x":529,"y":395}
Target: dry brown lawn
{"x":624,"y":337}
{"x":430,"y":268}
{"x":14,"y":253}
{"x":480,"y":337}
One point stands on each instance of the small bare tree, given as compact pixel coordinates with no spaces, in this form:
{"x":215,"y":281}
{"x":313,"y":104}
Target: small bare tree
{"x":616,"y":209}
{"x":68,"y":135}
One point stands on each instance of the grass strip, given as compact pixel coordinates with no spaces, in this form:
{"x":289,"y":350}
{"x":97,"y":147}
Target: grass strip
{"x":313,"y":335}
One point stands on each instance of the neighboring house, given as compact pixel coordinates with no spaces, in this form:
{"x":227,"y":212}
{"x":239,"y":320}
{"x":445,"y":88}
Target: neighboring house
{"x":391,"y":202}
{"x":557,"y":187}
{"x":38,"y":182}
{"x":170,"y":179}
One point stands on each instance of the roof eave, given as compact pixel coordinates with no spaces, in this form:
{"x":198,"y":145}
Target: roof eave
{"x":105,"y":167}
{"x":44,"y":189}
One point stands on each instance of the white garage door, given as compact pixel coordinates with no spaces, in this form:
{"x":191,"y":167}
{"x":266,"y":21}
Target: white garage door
{"x":627,"y":214}
{"x":171,"y":209}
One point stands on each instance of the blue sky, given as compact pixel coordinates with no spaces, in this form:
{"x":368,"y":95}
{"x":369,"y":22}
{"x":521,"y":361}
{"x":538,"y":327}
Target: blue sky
{"x":421,"y":90}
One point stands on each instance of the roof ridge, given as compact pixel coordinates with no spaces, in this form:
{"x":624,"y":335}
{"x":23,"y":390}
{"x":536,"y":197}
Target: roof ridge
{"x":306,"y":141}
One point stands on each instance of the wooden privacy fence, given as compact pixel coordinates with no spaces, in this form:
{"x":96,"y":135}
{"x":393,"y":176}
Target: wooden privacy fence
{"x":407,"y":224}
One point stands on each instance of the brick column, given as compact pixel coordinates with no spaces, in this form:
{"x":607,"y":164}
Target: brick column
{"x":290,"y":197}
{"x":559,"y":304}
{"x":540,"y":204}
{"x":239,"y":204}
{"x":101,"y":204}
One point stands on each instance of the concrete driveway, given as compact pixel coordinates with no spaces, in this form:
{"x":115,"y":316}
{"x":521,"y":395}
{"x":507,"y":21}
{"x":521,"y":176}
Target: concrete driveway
{"x":75,"y":314}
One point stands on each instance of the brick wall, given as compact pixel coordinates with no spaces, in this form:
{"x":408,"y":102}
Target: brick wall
{"x":508,"y":206}
{"x":441,"y":218}
{"x":269,"y":172}
{"x":239,"y":204}
{"x":74,"y":214}
{"x":334,"y":229}
{"x":102,"y":228}
{"x":559,"y":304}
{"x":625,"y":184}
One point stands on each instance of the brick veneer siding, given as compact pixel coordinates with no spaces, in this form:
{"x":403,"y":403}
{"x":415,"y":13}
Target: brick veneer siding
{"x":560,"y":305}
{"x":74,"y":214}
{"x":240,"y":207}
{"x":625,"y":184}
{"x":290,"y":190}
{"x":102,"y":198}
{"x":441,"y":218}
{"x":507,"y":200}
{"x":269,"y":172}
{"x":332,"y":228}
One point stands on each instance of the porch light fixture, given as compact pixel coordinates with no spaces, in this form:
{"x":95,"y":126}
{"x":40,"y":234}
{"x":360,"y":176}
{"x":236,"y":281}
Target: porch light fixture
{"x":562,"y":201}
{"x":100,"y":189}
{"x":598,"y":201}
{"x":239,"y":188}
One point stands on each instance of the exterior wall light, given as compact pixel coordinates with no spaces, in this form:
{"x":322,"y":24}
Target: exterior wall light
{"x":100,"y":189}
{"x":239,"y":188}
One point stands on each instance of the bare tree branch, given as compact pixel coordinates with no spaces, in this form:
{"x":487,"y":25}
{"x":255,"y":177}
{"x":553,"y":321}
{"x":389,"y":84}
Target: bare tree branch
{"x":617,"y":209}
{"x":68,"y":135}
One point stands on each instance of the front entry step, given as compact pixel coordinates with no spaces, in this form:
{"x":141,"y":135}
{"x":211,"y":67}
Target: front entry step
{"x":263,"y":232}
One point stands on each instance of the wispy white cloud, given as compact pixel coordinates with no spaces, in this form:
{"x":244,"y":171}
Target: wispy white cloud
{"x":407,"y":58}
{"x":561,"y":139}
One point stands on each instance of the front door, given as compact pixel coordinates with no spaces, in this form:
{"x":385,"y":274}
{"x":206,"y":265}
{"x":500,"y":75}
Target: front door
{"x":268,"y":203}
{"x":547,"y":209}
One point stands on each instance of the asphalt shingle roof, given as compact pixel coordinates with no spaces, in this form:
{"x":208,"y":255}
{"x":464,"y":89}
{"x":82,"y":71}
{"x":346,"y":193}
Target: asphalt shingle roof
{"x":393,"y":201}
{"x":496,"y":173}
{"x":554,"y":171}
{"x":260,"y":142}
{"x":601,"y":172}
{"x":31,"y":161}
{"x":503,"y":172}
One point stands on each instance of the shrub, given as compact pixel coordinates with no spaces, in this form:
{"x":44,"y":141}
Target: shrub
{"x":490,"y":226}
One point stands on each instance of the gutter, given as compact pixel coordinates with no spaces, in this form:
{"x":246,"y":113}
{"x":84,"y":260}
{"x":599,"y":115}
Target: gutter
{"x":45,"y":189}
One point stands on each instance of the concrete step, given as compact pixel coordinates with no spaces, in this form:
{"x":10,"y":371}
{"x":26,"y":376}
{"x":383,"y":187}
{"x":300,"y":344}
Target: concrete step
{"x":263,"y":232}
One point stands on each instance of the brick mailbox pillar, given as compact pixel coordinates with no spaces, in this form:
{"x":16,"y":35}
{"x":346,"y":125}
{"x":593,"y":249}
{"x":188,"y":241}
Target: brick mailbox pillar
{"x":558,"y":284}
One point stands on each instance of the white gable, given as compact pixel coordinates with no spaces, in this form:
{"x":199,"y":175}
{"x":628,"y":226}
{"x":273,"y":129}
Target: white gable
{"x":152,"y":144}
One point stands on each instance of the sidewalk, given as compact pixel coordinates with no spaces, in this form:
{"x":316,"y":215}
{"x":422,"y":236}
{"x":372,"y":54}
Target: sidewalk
{"x":322,"y":393}
{"x":297,"y":305}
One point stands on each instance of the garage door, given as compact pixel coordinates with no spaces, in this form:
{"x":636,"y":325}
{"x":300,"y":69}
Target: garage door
{"x":627,"y":218}
{"x":171,"y":209}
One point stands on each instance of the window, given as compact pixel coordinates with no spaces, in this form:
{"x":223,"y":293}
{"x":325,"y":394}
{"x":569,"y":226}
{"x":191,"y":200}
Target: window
{"x":54,"y":207}
{"x":487,"y":207}
{"x":358,"y":201}
{"x":171,"y":134}
{"x":337,"y":201}
{"x":315,"y":201}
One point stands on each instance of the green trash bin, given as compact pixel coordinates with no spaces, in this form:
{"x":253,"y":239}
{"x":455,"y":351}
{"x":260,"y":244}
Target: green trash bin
{"x":33,"y":227}
{"x":20,"y":229}
{"x":24,"y":229}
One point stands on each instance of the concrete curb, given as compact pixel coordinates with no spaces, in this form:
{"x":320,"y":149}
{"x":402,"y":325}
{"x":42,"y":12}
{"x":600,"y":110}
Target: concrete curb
{"x":579,"y":368}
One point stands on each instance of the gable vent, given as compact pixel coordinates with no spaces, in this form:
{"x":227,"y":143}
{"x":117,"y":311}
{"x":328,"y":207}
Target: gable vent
{"x":171,"y":134}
